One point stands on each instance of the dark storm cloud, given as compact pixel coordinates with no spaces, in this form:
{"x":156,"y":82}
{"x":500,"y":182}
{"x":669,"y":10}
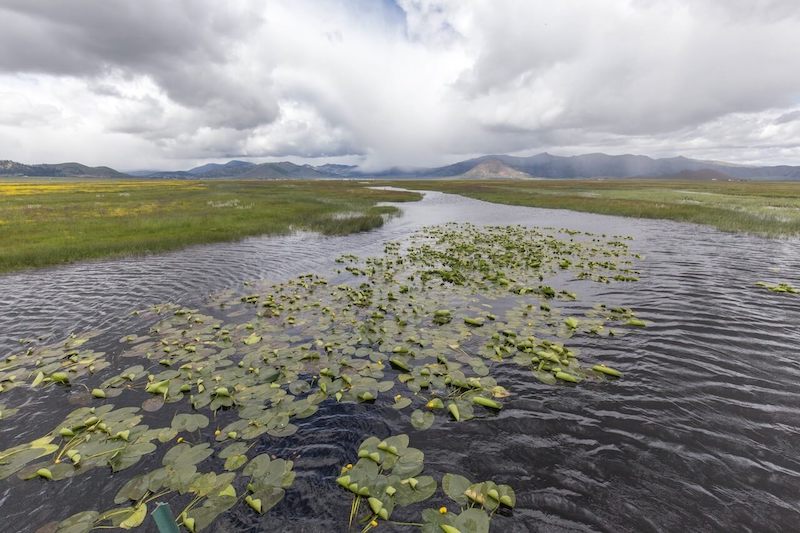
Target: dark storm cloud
{"x":84,"y":37}
{"x":184,"y":46}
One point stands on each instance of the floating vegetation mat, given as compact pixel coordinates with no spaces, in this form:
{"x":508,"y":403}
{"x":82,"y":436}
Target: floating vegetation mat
{"x":387,"y":476}
{"x":778,"y":287}
{"x":421,"y":328}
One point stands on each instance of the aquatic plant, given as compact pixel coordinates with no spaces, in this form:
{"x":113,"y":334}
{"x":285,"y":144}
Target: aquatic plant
{"x":211,"y":493}
{"x":782,"y":287}
{"x":421,"y":328}
{"x":59,"y":364}
{"x":387,"y":477}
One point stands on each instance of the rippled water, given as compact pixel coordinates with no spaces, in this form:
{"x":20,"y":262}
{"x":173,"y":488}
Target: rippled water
{"x":702,"y":434}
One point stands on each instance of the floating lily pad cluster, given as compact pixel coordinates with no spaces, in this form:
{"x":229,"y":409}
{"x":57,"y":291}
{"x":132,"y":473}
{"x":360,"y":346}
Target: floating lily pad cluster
{"x":477,"y":503}
{"x":778,"y":287}
{"x":211,"y":493}
{"x":387,"y":477}
{"x":420,"y":328}
{"x":60,"y":363}
{"x":88,"y":438}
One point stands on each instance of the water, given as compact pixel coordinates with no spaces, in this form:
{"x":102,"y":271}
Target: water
{"x":702,"y":434}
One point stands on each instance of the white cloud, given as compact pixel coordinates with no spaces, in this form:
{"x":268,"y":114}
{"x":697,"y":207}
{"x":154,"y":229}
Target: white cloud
{"x":419,"y":82}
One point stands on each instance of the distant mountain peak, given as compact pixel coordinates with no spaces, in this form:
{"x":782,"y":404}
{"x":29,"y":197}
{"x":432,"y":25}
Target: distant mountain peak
{"x":494,"y":169}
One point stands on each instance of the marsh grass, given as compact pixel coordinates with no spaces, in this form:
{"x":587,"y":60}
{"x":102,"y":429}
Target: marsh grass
{"x":762,"y":208}
{"x":48,"y":223}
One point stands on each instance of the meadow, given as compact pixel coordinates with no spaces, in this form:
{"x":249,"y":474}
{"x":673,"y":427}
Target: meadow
{"x":52,"y":222}
{"x":45,"y":223}
{"x":761,"y":208}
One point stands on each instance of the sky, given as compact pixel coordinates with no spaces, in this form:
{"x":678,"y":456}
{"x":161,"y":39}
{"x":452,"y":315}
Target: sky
{"x":149,"y":84}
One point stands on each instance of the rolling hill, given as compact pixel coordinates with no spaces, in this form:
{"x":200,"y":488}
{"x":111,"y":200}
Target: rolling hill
{"x":59,"y":170}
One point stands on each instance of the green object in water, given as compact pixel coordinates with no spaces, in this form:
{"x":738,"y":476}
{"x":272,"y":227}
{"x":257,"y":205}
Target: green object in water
{"x":162,"y":516}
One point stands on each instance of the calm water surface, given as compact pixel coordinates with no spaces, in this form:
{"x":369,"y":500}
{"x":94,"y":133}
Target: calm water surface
{"x":702,"y":434}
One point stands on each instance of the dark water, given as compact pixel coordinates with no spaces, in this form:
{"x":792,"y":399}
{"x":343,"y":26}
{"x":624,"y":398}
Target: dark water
{"x":702,"y":434}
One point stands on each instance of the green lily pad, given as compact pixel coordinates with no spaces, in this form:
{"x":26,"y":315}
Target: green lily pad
{"x":189,"y":422}
{"x":252,"y":339}
{"x":81,"y":522}
{"x":234,"y":462}
{"x":422,"y":419}
{"x":455,"y":486}
{"x":469,"y":521}
{"x":182,"y":455}
{"x":136,"y":517}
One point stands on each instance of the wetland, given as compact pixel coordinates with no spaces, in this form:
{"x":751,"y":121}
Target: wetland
{"x":463,"y":365}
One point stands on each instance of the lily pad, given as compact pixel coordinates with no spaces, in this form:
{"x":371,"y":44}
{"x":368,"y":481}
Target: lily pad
{"x":469,"y":521}
{"x":422,"y":419}
{"x":81,"y":522}
{"x":189,"y":422}
{"x":455,"y":486}
{"x":136,"y":517}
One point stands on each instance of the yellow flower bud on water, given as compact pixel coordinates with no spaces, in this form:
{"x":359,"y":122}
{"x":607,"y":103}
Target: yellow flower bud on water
{"x":443,"y":509}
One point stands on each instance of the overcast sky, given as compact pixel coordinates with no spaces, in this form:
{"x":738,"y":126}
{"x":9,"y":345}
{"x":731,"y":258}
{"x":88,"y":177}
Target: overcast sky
{"x":166,"y":84}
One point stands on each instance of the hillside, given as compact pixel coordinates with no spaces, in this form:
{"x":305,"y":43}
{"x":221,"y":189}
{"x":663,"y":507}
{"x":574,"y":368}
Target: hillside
{"x":215,"y":170}
{"x":247,"y":170}
{"x":493,"y":169}
{"x":59,"y":170}
{"x":284,"y":170}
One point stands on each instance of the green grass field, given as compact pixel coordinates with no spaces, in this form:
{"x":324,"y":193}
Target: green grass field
{"x":763,"y":208}
{"x":52,"y":222}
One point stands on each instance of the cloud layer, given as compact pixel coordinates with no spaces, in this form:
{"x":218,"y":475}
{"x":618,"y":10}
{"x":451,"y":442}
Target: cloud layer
{"x":412,"y":82}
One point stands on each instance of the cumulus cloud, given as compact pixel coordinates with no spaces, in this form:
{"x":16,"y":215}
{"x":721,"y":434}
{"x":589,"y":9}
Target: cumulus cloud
{"x":405,"y":82}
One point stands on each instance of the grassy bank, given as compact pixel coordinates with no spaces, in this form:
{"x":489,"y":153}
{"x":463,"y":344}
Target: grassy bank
{"x":764,"y":208}
{"x":53,"y":222}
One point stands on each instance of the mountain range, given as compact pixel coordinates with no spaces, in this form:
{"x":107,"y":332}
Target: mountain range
{"x":543,"y":166}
